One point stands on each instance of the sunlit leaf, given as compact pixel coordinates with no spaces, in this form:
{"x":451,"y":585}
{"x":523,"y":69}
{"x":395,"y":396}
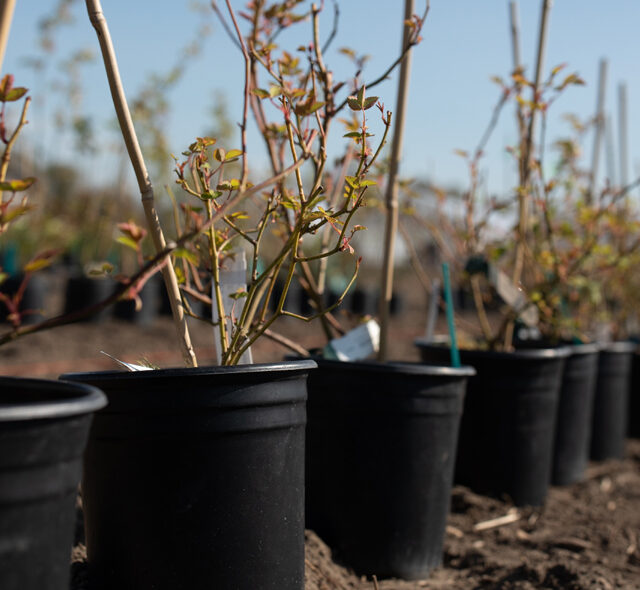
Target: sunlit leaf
{"x":260,"y":93}
{"x":127,"y":241}
{"x":17,"y":185}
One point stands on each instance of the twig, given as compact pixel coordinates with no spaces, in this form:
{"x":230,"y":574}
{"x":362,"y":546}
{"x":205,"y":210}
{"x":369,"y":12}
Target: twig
{"x":512,"y":516}
{"x":286,"y":342}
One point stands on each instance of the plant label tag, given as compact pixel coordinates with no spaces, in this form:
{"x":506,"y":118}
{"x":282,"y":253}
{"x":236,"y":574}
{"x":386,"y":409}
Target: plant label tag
{"x":233,"y":281}
{"x":513,"y":296}
{"x":127,"y":366}
{"x":356,"y":344}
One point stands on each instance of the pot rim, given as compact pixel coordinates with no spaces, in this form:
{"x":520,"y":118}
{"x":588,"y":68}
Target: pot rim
{"x":182,"y":372}
{"x":69,"y":399}
{"x":620,"y":346}
{"x":529,"y":353}
{"x":405,"y":367}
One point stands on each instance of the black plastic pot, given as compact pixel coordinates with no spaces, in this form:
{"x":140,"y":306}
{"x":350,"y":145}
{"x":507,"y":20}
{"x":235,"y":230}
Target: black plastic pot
{"x":634,"y":398}
{"x":194,"y":478}
{"x":381,"y":446}
{"x":43,"y":430}
{"x":508,"y":424}
{"x":125,"y":309}
{"x":575,"y":414}
{"x":611,"y":404}
{"x":83,"y":291}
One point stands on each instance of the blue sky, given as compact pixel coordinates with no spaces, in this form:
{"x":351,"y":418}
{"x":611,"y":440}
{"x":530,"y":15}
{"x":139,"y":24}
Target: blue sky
{"x":465,"y":43}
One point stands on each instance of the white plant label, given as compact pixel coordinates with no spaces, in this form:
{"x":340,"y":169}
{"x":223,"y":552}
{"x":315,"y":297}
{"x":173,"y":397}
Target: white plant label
{"x":356,"y":344}
{"x":233,"y":279}
{"x":514,"y":297}
{"x":127,"y":366}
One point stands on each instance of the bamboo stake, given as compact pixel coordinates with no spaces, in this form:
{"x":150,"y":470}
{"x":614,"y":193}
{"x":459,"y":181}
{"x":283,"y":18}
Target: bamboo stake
{"x":391,"y":198}
{"x":99,"y":22}
{"x":622,"y":134}
{"x":6,"y":16}
{"x":610,"y":151}
{"x":597,"y":138}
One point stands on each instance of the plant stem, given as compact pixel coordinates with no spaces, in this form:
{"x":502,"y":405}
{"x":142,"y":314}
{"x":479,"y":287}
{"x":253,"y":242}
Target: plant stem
{"x":146,"y":189}
{"x":391,"y":200}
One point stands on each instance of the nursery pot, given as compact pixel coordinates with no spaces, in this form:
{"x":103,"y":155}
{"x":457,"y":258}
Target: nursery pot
{"x":575,"y":412}
{"x":43,"y":431}
{"x":125,"y":309}
{"x":508,"y":424}
{"x":84,"y":291}
{"x":194,"y":478}
{"x":610,"y":409}
{"x":381,"y":442}
{"x":634,"y":397}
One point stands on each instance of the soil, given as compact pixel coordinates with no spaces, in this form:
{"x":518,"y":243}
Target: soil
{"x":587,"y":537}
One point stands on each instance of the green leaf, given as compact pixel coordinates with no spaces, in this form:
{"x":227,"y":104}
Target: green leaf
{"x":367,"y":183}
{"x":239,"y":294}
{"x":357,"y":134}
{"x":128,"y":242}
{"x":260,"y":93}
{"x":233,"y":154}
{"x":220,"y":154}
{"x":369,"y":102}
{"x":354,"y":104}
{"x":275,"y":91}
{"x":185,"y":254}
{"x":99,"y":269}
{"x":14,"y":94}
{"x":17,"y":185}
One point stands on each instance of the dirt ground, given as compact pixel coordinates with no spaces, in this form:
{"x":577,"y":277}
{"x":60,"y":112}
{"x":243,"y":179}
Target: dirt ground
{"x":587,"y":537}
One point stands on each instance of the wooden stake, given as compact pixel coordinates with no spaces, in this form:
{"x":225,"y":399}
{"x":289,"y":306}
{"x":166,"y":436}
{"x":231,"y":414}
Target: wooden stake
{"x":597,"y":138}
{"x":622,"y":134}
{"x":391,"y":198}
{"x":146,"y":189}
{"x":6,"y":16}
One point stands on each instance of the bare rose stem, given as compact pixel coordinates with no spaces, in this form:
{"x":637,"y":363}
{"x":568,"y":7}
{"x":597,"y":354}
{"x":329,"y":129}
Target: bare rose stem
{"x":146,"y":189}
{"x":391,"y":198}
{"x":6,"y":16}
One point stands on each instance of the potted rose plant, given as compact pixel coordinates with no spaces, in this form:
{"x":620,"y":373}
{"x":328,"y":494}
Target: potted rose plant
{"x":507,"y":432}
{"x":199,"y":472}
{"x":371,"y":423}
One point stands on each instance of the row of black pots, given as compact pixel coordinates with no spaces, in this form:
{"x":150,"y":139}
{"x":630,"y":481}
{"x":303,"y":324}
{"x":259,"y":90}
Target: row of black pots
{"x":81,"y":292}
{"x":535,"y":417}
{"x":195,"y":478}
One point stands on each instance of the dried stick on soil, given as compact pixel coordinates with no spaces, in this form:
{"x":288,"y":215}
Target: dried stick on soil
{"x":512,"y":516}
{"x":146,"y":189}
